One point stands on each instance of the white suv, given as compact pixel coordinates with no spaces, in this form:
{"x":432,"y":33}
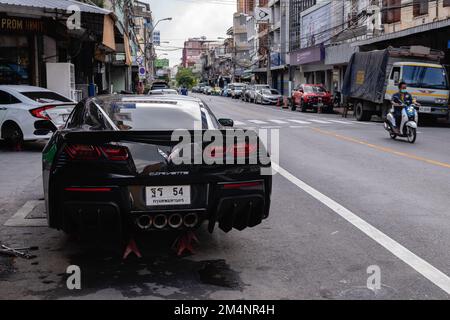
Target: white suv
{"x":22,"y":106}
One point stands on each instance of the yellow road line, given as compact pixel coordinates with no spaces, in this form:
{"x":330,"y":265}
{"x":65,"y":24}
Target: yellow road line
{"x":384,"y":149}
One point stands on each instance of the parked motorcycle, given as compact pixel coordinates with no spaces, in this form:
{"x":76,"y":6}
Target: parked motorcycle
{"x":408,"y":125}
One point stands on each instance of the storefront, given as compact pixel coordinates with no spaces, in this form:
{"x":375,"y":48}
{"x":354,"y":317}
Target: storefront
{"x":338,"y":57}
{"x":32,"y":35}
{"x":307,"y":66}
{"x":23,"y":43}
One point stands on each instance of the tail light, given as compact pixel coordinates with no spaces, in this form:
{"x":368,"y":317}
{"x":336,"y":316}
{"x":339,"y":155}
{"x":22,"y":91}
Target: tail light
{"x":242,"y":150}
{"x":40,"y":112}
{"x":215,"y":151}
{"x":82,"y":152}
{"x":238,"y":150}
{"x":85,"y":152}
{"x":242,"y":185}
{"x":115,"y":153}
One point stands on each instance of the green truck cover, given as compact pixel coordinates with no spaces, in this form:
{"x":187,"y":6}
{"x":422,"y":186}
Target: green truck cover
{"x":365,"y":77}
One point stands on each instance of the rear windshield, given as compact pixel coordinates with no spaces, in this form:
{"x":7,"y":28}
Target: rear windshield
{"x":163,"y":91}
{"x":314,"y":89}
{"x":142,"y":115}
{"x":273,"y":91}
{"x":45,"y":96}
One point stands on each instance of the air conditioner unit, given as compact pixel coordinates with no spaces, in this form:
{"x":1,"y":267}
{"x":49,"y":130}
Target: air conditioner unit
{"x":61,"y":78}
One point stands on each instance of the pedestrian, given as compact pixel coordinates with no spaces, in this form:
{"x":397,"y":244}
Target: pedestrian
{"x":140,"y":88}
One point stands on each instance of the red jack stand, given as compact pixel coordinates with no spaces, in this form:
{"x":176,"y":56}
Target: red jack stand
{"x":131,"y":248}
{"x":184,"y":243}
{"x":17,"y":147}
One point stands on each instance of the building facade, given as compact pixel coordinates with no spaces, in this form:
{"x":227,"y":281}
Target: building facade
{"x":246,"y":6}
{"x":192,"y":51}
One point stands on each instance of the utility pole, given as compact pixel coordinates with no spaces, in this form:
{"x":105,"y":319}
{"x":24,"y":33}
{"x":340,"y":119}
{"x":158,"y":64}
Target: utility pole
{"x":269,"y":58}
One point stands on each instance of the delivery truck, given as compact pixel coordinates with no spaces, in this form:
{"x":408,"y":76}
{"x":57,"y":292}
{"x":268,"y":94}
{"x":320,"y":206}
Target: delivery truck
{"x":372,"y":78}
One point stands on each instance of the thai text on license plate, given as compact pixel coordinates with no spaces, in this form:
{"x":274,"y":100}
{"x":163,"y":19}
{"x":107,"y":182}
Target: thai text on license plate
{"x":168,"y":195}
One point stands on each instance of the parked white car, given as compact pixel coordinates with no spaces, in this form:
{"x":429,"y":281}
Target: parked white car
{"x":22,"y":106}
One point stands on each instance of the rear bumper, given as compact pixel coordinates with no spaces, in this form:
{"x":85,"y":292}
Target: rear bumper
{"x":315,"y":105}
{"x":119,"y":211}
{"x":438,"y":112}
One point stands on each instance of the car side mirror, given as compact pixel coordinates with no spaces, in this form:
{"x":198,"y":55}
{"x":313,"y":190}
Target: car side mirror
{"x":226,"y":122}
{"x":44,"y":127}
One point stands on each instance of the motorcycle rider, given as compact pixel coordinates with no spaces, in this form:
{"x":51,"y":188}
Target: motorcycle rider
{"x":399,"y":100}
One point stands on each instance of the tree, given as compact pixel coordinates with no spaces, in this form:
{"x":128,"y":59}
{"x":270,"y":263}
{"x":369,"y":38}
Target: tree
{"x":185,"y":77}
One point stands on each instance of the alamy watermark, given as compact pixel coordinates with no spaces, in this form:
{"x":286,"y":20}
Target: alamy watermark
{"x":73,"y":281}
{"x":374,"y":280}
{"x":228,"y":147}
{"x":74,"y":20}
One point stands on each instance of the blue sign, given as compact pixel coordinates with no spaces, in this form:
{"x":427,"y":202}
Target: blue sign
{"x":156,"y":38}
{"x":448,"y":44}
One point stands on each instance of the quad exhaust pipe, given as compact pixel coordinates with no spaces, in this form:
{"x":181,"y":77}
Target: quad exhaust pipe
{"x":160,"y":221}
{"x":144,"y":222}
{"x":190,"y":220}
{"x":174,"y":221}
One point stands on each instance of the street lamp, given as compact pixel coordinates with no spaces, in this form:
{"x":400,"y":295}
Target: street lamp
{"x":151,"y":35}
{"x":160,"y":20}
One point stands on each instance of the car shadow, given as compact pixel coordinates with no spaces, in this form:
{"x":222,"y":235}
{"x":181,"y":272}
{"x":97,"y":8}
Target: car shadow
{"x":430,"y":123}
{"x":35,"y":146}
{"x":159,"y":274}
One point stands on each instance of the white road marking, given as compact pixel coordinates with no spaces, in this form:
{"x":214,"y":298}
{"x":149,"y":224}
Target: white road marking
{"x":319,"y":121}
{"x":339,"y":121}
{"x":257,"y":121}
{"x":278,"y":121}
{"x":436,"y":276}
{"x":300,"y":121}
{"x":297,"y":127}
{"x":271,"y":127}
{"x":19,"y":219}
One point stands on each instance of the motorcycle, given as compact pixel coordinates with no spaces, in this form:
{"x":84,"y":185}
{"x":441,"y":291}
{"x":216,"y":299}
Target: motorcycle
{"x":408,"y":125}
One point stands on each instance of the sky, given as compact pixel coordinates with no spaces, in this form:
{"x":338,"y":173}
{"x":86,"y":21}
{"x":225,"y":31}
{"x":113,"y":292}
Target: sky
{"x":191,"y":18}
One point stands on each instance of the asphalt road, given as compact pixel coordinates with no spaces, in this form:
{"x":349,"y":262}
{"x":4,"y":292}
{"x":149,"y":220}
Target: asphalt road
{"x":347,"y":200}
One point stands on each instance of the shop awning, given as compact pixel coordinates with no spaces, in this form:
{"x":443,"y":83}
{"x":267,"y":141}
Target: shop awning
{"x":42,"y":5}
{"x":108,"y":33}
{"x":126,"y":42}
{"x":404,"y":33}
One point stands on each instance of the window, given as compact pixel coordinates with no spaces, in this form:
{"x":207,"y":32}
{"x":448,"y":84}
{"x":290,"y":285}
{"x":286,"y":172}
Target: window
{"x":6,"y":98}
{"x":420,"y":7}
{"x":425,"y":77}
{"x":314,"y":89}
{"x":395,"y":74}
{"x":392,"y":11}
{"x":45,"y":96}
{"x":446,"y":3}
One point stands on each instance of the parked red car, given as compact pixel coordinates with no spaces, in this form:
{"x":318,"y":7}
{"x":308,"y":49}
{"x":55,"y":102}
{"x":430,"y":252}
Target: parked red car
{"x":312,"y":96}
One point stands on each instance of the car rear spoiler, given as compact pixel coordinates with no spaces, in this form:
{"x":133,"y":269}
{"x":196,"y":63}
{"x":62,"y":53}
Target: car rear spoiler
{"x":151,"y":137}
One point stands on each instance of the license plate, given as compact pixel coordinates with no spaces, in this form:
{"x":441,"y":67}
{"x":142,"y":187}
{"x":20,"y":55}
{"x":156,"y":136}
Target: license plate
{"x":320,"y":104}
{"x":425,"y":109}
{"x":168,"y":195}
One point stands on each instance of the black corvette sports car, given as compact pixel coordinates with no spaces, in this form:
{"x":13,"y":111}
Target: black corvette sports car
{"x":125,"y":164}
